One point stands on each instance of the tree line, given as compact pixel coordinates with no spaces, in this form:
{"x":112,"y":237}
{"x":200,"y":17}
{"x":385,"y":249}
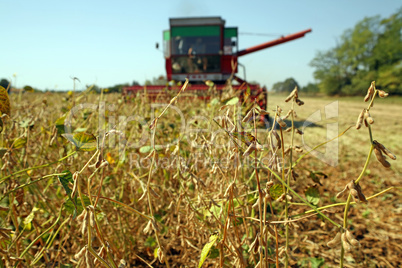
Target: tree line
{"x":371,"y":51}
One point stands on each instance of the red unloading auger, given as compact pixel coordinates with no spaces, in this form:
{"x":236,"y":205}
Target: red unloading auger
{"x":268,"y":44}
{"x":261,"y":91}
{"x":272,"y":43}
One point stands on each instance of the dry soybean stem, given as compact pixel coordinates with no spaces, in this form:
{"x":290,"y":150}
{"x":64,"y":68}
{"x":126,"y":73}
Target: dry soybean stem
{"x":302,"y":199}
{"x":288,"y":178}
{"x":153,"y":127}
{"x":343,"y":203}
{"x":347,"y":206}
{"x":260,"y":196}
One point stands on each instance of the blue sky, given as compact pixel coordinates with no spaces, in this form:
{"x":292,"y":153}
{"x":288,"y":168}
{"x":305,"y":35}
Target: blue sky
{"x":45,"y":43}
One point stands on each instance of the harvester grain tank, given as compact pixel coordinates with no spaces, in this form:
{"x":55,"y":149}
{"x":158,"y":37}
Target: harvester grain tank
{"x":202,"y":49}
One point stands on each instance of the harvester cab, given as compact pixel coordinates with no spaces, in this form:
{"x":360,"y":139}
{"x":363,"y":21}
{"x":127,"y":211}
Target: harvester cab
{"x":201,"y":49}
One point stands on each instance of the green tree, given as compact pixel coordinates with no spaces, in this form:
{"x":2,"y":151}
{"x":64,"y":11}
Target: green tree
{"x":387,"y":54}
{"x":4,"y":83}
{"x":311,"y":88}
{"x":29,"y":89}
{"x":388,"y":49}
{"x":286,"y":86}
{"x":117,"y":88}
{"x":372,"y":50}
{"x":328,"y":72}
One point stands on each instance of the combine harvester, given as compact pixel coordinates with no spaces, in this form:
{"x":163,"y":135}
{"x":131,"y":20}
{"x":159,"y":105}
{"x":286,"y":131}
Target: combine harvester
{"x":202,"y":49}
